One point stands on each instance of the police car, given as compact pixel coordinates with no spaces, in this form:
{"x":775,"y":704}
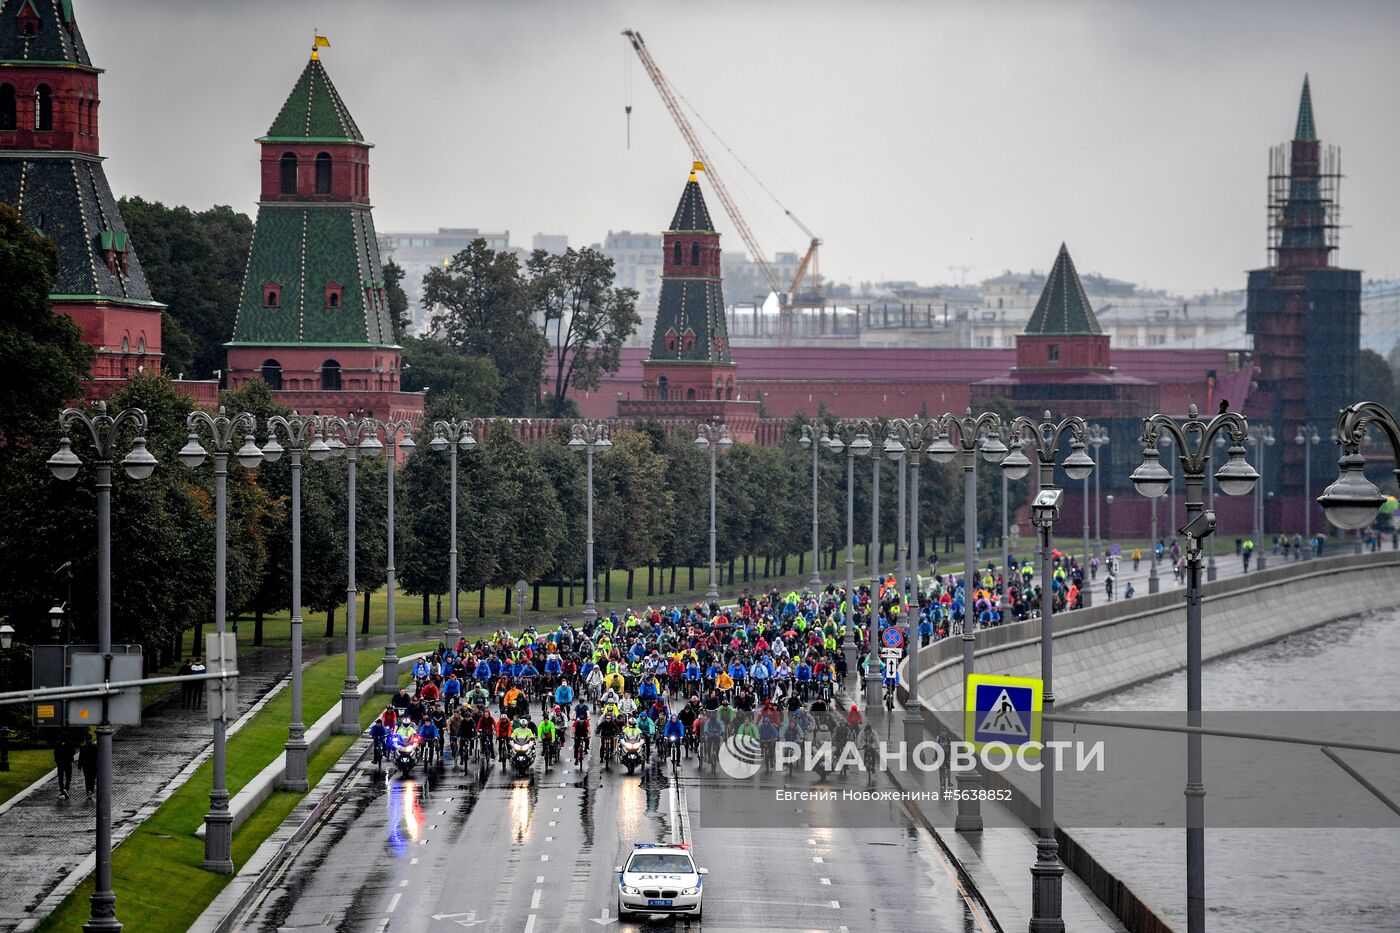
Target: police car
{"x":659,"y":879}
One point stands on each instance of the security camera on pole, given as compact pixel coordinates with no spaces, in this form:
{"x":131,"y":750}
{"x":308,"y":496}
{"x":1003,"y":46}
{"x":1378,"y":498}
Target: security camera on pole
{"x":1193,"y":439}
{"x":223,"y":431}
{"x":1045,"y":437}
{"x":303,"y":433}
{"x":105,"y":432}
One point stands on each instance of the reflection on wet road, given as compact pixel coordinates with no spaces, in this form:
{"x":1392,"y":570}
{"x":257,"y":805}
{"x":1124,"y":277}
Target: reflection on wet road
{"x":480,"y":849}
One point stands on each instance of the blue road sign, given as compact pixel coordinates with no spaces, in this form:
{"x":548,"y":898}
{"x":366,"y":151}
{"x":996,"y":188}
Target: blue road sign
{"x":893,"y":638}
{"x":1003,"y":709}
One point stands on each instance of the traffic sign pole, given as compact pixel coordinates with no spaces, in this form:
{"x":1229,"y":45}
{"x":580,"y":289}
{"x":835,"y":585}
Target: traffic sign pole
{"x":1047,"y":874}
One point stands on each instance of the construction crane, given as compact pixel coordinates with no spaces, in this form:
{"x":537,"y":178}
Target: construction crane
{"x":793,"y":295}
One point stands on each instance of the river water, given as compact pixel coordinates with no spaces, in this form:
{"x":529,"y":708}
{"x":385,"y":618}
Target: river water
{"x":1280,"y":880}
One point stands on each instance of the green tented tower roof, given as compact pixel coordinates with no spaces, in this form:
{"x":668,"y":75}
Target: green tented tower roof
{"x":314,"y":112}
{"x":56,"y":40}
{"x":1063,"y":307}
{"x":691,"y":212}
{"x":1306,"y":129}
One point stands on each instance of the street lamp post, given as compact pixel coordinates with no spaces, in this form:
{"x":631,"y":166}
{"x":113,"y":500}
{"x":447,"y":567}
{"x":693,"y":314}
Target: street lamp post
{"x":7,"y":637}
{"x":811,"y":439}
{"x":105,"y":431}
{"x":1154,"y":584}
{"x":588,"y":437}
{"x":856,"y":444}
{"x":969,"y":430}
{"x":713,"y":437}
{"x":1307,"y":436}
{"x":1261,"y":436}
{"x":458,"y":434}
{"x":223,"y":436}
{"x":303,"y":434}
{"x":1097,"y":439}
{"x":877,"y":431}
{"x":1236,"y":478}
{"x":1352,"y":501}
{"x":1047,"y":873}
{"x":356,"y":436}
{"x":393,"y":430}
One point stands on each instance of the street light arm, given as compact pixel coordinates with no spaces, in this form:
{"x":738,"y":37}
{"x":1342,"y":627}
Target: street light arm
{"x":298,"y":429}
{"x":223,"y":429}
{"x":102,"y":428}
{"x":1353,"y":421}
{"x":1194,"y":456}
{"x":1046,"y":435}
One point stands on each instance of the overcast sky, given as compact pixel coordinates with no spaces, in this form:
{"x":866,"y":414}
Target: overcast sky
{"x":913,"y":137}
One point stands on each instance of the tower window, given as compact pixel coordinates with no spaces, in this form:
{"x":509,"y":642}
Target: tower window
{"x":688,"y":340}
{"x":43,"y":108}
{"x":695,"y":254}
{"x":272,"y":295}
{"x":1052,"y":353}
{"x":676,"y":255}
{"x":7,"y":107}
{"x":272,"y":374}
{"x":323,"y":173}
{"x":330,"y":376}
{"x":690,"y":395}
{"x":333,"y":295}
{"x":288,"y":167}
{"x":663,"y":388}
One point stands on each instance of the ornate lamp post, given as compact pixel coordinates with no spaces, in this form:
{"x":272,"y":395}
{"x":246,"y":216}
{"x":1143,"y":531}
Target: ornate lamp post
{"x":713,"y":437}
{"x":1236,"y":478}
{"x":1307,"y":436}
{"x":355,"y":436}
{"x":458,"y":434}
{"x":811,"y":439}
{"x":1261,"y":436}
{"x":1351,"y":502}
{"x":1045,"y":437}
{"x":303,"y":434}
{"x":7,"y":637}
{"x":393,"y":430}
{"x":877,"y":432}
{"x":223,"y":432}
{"x":588,"y":437}
{"x":857,"y":444}
{"x":969,"y":429}
{"x":105,"y":431}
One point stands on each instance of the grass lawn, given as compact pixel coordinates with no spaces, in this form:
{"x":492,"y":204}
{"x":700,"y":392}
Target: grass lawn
{"x":156,"y":872}
{"x":27,"y":765}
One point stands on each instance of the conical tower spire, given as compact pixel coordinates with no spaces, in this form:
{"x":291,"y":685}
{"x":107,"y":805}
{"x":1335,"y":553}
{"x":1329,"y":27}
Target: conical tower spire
{"x":1306,"y":129}
{"x":1063,"y":307}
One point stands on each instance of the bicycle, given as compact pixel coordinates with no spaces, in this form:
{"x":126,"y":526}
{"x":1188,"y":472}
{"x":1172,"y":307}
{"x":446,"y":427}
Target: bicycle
{"x":580,"y":751}
{"x":889,"y":697}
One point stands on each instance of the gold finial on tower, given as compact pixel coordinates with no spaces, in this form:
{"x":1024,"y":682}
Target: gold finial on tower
{"x":320,"y":42}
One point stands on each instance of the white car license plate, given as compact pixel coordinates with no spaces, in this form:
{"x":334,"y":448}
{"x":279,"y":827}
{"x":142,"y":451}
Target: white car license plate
{"x":658,"y":902}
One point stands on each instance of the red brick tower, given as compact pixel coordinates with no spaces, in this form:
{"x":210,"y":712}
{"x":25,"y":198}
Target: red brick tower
{"x":51,"y":172}
{"x":689,"y":373}
{"x":313,"y":322}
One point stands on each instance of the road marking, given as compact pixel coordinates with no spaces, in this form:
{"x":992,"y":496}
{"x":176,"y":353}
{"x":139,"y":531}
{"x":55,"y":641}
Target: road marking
{"x":553,"y":822}
{"x":548,"y":838}
{"x":559,"y":797}
{"x":403,"y":883}
{"x":604,"y":920}
{"x":539,"y":879}
{"x":556,"y":809}
{"x":529,"y":923}
{"x":817,"y":859}
{"x":811,"y":842}
{"x":413,"y":861}
{"x":383,"y":925}
{"x":836,"y":905}
{"x":535,"y":899}
{"x":826,"y":881}
{"x":393,"y":903}
{"x":544,"y":858}
{"x":442,"y":813}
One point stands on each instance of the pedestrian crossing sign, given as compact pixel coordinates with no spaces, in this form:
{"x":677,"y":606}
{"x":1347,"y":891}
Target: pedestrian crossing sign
{"x":1003,"y":709}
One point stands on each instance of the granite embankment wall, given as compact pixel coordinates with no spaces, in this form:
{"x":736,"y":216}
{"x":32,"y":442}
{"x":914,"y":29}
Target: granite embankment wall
{"x":1111,"y":646}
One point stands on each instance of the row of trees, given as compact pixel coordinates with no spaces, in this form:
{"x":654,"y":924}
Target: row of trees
{"x":499,"y":325}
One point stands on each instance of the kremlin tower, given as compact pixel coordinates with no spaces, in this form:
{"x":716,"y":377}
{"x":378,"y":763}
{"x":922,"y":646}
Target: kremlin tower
{"x":51,"y":172}
{"x":313,"y":321}
{"x":689,"y":372}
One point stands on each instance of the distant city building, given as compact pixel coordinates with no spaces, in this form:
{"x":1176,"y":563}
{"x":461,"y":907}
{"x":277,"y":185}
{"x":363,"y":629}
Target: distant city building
{"x":637,"y":264}
{"x":416,"y":253}
{"x":1380,"y":316}
{"x":313,"y":322}
{"x":555,"y":243}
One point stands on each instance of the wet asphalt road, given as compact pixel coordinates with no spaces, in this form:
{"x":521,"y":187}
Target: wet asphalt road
{"x":480,"y":849}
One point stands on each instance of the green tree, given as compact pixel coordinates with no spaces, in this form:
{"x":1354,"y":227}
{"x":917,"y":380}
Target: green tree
{"x":631,"y":504}
{"x":42,"y":352}
{"x":521,"y":506}
{"x":483,"y":311}
{"x":429,"y":363}
{"x":398,"y":301}
{"x":194,"y":262}
{"x":591,"y":318}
